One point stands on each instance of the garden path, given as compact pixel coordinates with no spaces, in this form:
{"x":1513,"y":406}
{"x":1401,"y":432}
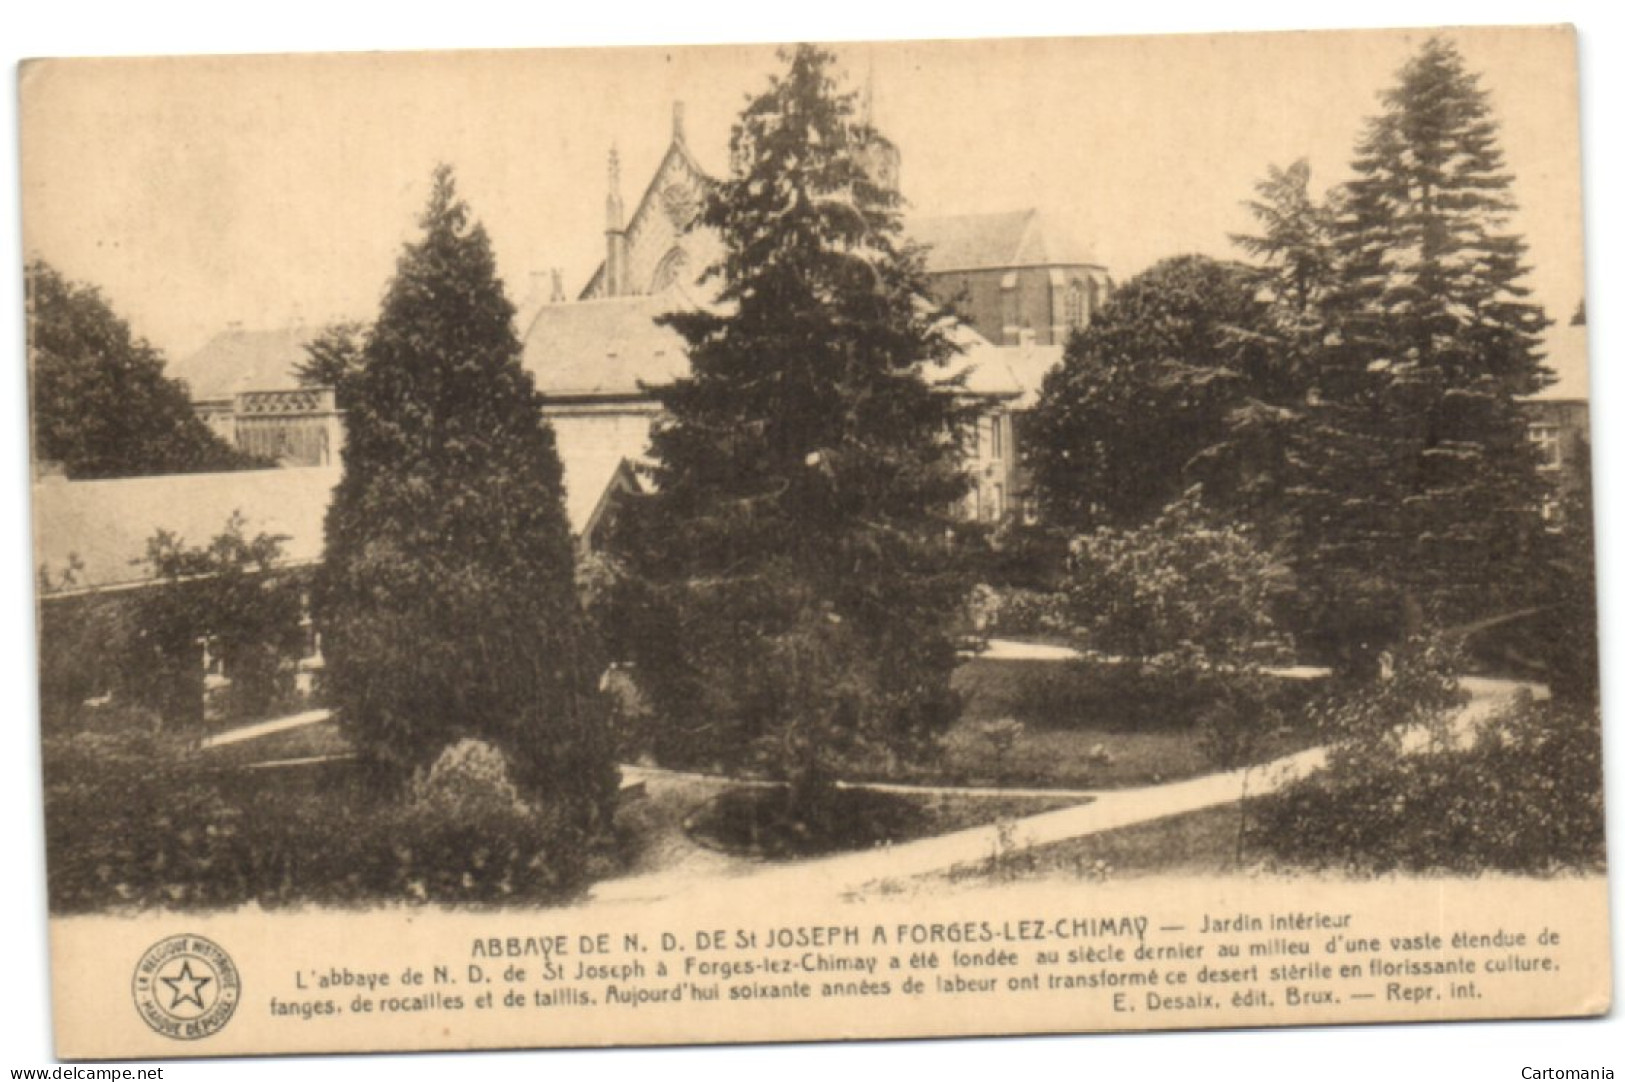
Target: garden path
{"x":1108,"y":810}
{"x":681,"y":867}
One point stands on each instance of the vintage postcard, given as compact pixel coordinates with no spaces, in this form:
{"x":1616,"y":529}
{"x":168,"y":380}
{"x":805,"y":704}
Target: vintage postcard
{"x":755,"y":543}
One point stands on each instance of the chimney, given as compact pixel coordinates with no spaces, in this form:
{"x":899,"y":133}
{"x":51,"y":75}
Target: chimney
{"x":677,"y":134}
{"x":557,"y":296}
{"x":614,"y":231}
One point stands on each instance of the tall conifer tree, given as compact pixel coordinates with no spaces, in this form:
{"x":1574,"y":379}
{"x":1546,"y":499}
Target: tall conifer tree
{"x":1419,"y":500}
{"x":446,"y":596}
{"x":791,"y":582}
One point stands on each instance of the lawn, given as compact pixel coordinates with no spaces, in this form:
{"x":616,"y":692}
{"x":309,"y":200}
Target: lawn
{"x":1198,"y":843}
{"x":1084,"y":725}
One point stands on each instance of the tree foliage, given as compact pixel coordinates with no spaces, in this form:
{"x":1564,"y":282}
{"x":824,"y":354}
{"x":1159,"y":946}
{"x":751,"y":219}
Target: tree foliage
{"x":1418,"y":498}
{"x":1183,"y":584}
{"x":1294,"y":242}
{"x":333,"y":359}
{"x":102,"y":404}
{"x":230,"y":596}
{"x":1191,"y":601}
{"x":447,"y":597}
{"x":790,"y":583}
{"x":1408,"y":788}
{"x":1166,"y":387}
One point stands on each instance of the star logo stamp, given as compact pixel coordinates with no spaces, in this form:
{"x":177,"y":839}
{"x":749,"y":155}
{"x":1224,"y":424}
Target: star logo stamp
{"x":186,"y":987}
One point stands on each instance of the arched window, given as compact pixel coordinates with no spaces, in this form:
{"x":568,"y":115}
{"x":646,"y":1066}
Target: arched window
{"x":667,"y":271}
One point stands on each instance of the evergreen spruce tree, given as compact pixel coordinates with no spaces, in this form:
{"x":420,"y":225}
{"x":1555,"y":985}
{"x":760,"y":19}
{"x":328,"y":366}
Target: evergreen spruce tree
{"x":791,"y":586}
{"x":1418,"y":499}
{"x":446,"y":596}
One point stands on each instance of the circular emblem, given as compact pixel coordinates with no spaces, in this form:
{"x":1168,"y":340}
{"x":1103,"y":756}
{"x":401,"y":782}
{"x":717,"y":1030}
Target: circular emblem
{"x":186,"y":987}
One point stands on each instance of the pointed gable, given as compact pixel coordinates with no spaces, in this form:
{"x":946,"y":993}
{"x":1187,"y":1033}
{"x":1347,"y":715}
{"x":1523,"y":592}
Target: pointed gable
{"x":660,"y":249}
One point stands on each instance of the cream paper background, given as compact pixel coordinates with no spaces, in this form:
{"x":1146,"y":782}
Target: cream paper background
{"x":1407,"y":1052}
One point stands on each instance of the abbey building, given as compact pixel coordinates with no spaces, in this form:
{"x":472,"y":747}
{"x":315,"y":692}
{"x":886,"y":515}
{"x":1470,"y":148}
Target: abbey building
{"x":1019,"y":287}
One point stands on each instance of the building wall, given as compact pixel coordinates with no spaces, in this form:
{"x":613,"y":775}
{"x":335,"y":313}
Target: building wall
{"x":603,"y":430}
{"x":299,"y":426}
{"x":990,"y":458}
{"x":1005,"y":304}
{"x":1561,"y":428}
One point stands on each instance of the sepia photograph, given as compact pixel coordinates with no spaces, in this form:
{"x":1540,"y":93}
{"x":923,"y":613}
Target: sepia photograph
{"x":567,"y":547}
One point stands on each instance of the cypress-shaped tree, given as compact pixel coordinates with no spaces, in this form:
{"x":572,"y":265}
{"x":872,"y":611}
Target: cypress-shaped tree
{"x":446,"y":596}
{"x":791,"y":583}
{"x":1418,"y":499}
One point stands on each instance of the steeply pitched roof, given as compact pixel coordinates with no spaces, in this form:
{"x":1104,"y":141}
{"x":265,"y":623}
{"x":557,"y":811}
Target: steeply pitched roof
{"x":239,"y":360}
{"x":1018,"y":238}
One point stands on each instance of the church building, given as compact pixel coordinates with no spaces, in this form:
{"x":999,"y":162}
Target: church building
{"x":1018,"y":290}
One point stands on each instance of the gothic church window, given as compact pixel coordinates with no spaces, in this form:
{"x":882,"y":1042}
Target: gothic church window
{"x":667,"y":271}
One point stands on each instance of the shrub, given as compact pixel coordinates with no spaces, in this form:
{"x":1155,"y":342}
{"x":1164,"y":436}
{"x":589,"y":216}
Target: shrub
{"x":1181,"y":585}
{"x":83,"y":642}
{"x":137,"y":820}
{"x":130,"y":818}
{"x":1522,"y":794}
{"x":230,"y":593}
{"x":1189,"y":605}
{"x":468,"y":779}
{"x":1017,"y":612}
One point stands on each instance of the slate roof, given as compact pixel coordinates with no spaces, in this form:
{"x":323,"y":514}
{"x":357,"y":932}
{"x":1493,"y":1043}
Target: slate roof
{"x":604,"y":347}
{"x":239,"y":360}
{"x":1019,"y":238}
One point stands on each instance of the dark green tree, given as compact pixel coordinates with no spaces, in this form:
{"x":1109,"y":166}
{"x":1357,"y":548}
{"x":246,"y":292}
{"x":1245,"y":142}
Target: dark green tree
{"x":791,"y":584}
{"x":102,"y":404}
{"x":446,"y":597}
{"x":1564,"y":632}
{"x":333,"y":359}
{"x":1294,"y":241}
{"x":1418,"y":499}
{"x":1157,"y":393}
